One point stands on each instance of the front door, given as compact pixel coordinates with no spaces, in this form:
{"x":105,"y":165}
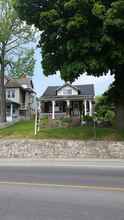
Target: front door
{"x":76,"y":109}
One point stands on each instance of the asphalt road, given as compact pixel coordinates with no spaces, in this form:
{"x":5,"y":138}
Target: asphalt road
{"x":57,"y":193}
{"x":100,"y":177}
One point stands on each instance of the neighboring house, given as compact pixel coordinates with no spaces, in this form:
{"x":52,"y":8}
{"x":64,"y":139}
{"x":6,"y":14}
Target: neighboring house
{"x":20,"y":98}
{"x":73,"y":100}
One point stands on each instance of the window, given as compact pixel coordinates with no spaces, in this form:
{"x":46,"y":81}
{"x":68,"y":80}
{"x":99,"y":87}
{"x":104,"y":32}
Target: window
{"x":67,"y":92}
{"x":8,"y":94}
{"x":13,"y":93}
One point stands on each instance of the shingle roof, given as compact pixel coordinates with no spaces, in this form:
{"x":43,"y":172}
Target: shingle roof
{"x":13,"y":83}
{"x":18,"y":83}
{"x":26,"y":81}
{"x":84,"y":90}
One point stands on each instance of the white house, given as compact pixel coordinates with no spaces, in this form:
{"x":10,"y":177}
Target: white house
{"x":73,"y":100}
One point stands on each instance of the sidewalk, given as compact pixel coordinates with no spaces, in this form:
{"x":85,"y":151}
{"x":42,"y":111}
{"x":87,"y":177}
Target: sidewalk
{"x":95,"y":163}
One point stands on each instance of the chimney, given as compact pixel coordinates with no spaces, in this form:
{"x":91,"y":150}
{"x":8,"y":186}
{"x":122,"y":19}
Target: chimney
{"x":23,"y":76}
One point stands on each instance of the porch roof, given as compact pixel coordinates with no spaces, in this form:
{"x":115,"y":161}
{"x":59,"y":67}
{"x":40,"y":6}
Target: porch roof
{"x":11,"y":102}
{"x":64,"y":98}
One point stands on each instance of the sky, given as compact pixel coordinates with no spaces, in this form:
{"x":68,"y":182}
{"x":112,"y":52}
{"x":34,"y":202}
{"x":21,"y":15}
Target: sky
{"x":41,"y":82}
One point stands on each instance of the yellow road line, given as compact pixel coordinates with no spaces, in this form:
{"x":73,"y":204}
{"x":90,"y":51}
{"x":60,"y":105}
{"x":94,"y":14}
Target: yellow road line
{"x":83,"y":187}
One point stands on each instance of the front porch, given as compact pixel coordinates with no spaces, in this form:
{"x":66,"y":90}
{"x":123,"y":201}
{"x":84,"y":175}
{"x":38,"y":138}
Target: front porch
{"x":15,"y":111}
{"x":66,"y":108}
{"x":12,"y":111}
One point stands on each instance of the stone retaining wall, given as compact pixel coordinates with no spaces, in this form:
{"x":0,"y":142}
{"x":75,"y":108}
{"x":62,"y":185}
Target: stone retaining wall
{"x":62,"y":149}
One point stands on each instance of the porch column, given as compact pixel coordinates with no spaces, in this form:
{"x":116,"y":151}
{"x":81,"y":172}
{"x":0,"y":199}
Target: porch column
{"x":85,"y":107}
{"x":41,"y":107}
{"x":53,"y":109}
{"x":68,"y":103}
{"x":68,"y":107}
{"x":11,"y":111}
{"x":90,"y":108}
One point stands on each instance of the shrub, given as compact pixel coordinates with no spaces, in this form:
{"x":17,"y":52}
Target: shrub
{"x":66,"y":120}
{"x":109,"y":116}
{"x":87,"y":118}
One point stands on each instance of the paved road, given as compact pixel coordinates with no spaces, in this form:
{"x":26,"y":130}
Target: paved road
{"x":47,"y":203}
{"x":38,"y":201}
{"x":106,"y":177}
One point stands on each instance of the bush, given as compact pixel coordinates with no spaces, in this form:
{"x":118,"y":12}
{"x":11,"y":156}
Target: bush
{"x":88,"y":119}
{"x":109,"y":116}
{"x":66,"y":120}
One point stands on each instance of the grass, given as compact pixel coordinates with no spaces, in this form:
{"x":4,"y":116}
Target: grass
{"x":25,"y":129}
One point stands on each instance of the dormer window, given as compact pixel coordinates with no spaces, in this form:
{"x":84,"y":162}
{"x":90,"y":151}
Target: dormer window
{"x":67,"y":92}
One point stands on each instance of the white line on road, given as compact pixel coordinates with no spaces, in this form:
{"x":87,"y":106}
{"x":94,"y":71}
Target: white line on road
{"x":83,"y":187}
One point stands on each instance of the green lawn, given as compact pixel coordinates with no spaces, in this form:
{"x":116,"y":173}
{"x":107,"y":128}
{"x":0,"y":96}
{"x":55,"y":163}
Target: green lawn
{"x":25,"y":129}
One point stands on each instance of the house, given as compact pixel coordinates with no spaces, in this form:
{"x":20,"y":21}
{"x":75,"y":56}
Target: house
{"x":71,"y":100}
{"x":20,"y":98}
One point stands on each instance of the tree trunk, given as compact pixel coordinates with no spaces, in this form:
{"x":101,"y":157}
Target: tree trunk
{"x":120,"y":117}
{"x":2,"y":89}
{"x":119,"y":96}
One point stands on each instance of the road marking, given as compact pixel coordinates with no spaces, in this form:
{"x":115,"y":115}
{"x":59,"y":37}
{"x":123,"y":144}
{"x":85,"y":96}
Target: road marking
{"x":83,"y":187}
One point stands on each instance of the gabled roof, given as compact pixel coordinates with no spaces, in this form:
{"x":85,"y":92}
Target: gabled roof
{"x":13,"y":83}
{"x":67,"y":84}
{"x":84,"y":90}
{"x":50,"y":91}
{"x":24,"y":83}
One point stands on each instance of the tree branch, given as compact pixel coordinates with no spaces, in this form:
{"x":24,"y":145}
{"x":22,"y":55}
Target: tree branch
{"x":12,"y":48}
{"x":13,"y":41}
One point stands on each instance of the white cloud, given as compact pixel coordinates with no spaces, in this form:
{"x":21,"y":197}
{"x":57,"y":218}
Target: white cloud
{"x":101,"y":83}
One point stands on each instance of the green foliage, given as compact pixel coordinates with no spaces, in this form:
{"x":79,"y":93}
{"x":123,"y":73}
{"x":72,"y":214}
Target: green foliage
{"x":88,"y":118}
{"x":109,"y":116}
{"x":79,"y":36}
{"x":104,"y":109}
{"x":66,"y":120}
{"x":24,"y":64}
{"x":99,"y":10}
{"x":14,"y":36}
{"x":25,"y":129}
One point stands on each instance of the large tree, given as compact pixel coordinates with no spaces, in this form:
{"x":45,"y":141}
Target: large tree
{"x":80,"y":36}
{"x":14,"y":35}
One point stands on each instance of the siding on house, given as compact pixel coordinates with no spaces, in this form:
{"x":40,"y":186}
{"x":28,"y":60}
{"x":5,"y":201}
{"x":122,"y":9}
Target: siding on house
{"x":17,"y":94}
{"x":20,"y":94}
